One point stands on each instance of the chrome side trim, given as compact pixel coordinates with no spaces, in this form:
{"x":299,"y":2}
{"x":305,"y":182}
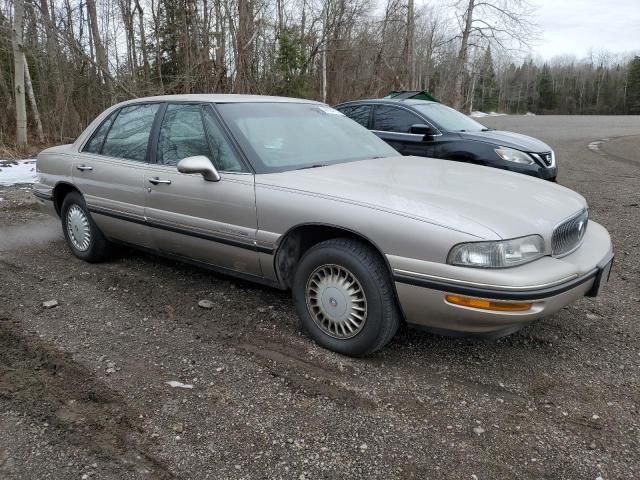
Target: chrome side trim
{"x":42,"y":195}
{"x":129,"y":217}
{"x":453,"y":281}
{"x":531,"y":294}
{"x":245,"y":244}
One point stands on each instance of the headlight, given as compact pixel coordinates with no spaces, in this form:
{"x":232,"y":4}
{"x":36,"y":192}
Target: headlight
{"x":515,"y":156}
{"x":497,"y":254}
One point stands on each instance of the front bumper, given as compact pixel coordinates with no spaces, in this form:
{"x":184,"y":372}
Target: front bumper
{"x":548,"y":284}
{"x":535,"y":170}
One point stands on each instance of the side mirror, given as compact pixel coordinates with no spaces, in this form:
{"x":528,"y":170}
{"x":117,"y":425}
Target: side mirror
{"x":421,"y":129}
{"x":199,"y":164}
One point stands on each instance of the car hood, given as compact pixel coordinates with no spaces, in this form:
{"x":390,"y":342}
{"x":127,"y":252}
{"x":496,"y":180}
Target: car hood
{"x":508,"y":139}
{"x":481,"y":201}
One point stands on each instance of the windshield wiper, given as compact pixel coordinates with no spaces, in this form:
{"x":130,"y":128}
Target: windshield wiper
{"x":316,"y":165}
{"x":487,"y":129}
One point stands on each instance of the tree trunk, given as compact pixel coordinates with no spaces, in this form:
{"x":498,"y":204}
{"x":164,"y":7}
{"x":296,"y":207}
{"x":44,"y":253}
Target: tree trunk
{"x":244,"y":38}
{"x":458,"y":96}
{"x":18,"y":58}
{"x":100,"y":51}
{"x":155,"y":14}
{"x":32,"y":100}
{"x":324,"y":74}
{"x":325,"y":40}
{"x":143,"y":43}
{"x":410,"y":79}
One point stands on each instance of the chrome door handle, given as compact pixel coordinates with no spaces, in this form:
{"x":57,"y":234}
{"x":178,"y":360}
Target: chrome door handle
{"x":82,"y":168}
{"x":156,"y":181}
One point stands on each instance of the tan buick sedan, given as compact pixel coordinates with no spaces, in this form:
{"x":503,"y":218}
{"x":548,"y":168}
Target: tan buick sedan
{"x":293,"y":194}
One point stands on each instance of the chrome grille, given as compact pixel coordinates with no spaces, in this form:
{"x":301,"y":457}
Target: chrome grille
{"x":568,"y":235}
{"x":547,"y":158}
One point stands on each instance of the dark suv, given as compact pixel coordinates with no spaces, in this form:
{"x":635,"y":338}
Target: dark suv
{"x":431,"y":129}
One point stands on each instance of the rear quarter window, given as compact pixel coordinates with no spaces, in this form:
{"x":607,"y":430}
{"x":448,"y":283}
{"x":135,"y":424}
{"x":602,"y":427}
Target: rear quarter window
{"x":94,"y":145}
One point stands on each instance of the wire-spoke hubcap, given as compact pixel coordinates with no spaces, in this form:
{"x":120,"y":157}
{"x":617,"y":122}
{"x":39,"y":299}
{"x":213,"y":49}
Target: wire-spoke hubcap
{"x":78,"y":228}
{"x":336,"y":301}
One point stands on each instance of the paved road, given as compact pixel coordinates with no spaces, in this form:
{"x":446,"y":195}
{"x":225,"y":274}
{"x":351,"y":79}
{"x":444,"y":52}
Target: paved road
{"x":83,"y":392}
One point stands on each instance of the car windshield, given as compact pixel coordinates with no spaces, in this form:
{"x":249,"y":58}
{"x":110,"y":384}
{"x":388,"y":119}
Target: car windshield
{"x":449,"y":119}
{"x":279,"y":137}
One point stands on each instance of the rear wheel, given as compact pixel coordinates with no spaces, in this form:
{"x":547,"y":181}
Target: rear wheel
{"x":83,"y":236}
{"x":344,"y":297}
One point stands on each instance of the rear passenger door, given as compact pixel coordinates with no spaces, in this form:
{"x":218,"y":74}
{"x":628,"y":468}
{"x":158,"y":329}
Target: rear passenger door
{"x":393,"y":125}
{"x":109,"y":172}
{"x":211,"y":222}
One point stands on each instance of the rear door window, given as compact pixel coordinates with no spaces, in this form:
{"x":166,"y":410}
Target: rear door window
{"x":129,"y":135}
{"x":358,"y":113}
{"x":387,"y":118}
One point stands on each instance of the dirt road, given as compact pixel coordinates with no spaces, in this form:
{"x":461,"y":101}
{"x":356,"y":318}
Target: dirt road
{"x":83,"y":390}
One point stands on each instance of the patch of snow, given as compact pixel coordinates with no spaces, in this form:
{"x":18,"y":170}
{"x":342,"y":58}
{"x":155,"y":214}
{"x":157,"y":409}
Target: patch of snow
{"x":596,"y":144}
{"x":16,"y":172}
{"x":529,"y":114}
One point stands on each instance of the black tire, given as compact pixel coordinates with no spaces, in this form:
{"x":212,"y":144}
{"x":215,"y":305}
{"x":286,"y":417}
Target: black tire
{"x":98,"y":247}
{"x":364,"y":263}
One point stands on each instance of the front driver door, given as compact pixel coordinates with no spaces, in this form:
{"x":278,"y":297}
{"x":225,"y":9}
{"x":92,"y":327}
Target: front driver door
{"x":393,"y":125}
{"x":211,"y":222}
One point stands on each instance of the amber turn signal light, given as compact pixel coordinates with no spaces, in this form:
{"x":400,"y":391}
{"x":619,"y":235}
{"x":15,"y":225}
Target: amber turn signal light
{"x":488,"y":304}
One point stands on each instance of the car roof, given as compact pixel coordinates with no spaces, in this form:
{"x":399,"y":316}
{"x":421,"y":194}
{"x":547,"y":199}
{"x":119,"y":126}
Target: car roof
{"x":218,"y":98}
{"x":404,"y":101}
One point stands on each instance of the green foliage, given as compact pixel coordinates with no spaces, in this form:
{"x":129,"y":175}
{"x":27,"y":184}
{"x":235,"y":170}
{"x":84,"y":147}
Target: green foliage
{"x":291,"y":78}
{"x":486,"y":94}
{"x":633,"y":87}
{"x":546,"y":95}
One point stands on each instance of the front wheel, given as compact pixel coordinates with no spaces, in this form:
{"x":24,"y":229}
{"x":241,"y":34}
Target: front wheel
{"x":83,"y":236}
{"x":344,"y":297}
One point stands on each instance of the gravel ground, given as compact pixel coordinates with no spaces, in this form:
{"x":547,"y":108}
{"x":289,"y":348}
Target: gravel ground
{"x":84,"y":393}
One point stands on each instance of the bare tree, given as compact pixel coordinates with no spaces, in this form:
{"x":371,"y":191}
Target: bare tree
{"x":410,"y":47}
{"x":101,"y":54}
{"x":243,"y":51}
{"x":32,"y":101}
{"x":18,"y":60}
{"x":505,"y":23}
{"x":84,"y":56}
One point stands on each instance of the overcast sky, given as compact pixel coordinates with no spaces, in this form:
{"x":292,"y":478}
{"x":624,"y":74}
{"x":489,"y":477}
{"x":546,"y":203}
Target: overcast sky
{"x":575,"y":26}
